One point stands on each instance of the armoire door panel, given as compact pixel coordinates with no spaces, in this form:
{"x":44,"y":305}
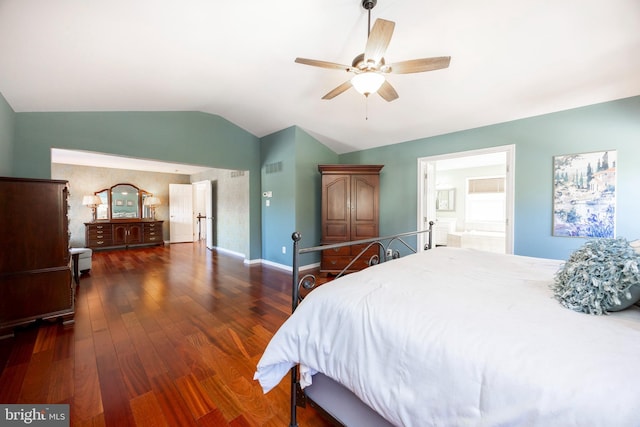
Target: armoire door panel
{"x":365,"y":198}
{"x":337,"y":197}
{"x":364,"y":231}
{"x":335,"y":232}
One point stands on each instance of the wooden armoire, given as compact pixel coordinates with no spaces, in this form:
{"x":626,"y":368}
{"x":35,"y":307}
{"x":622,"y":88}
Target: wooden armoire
{"x":35,"y":273}
{"x":350,"y":211}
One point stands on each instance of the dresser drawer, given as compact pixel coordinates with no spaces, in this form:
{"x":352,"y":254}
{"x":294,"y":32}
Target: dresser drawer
{"x":336,"y":264}
{"x":98,"y":227}
{"x":344,"y":250}
{"x":101,"y":233}
{"x":99,"y":242}
{"x":373,"y":250}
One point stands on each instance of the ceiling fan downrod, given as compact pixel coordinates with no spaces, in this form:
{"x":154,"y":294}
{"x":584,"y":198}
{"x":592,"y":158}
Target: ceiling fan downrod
{"x":368,"y":5}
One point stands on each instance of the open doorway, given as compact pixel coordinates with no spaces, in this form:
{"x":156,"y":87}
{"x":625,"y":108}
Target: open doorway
{"x":469,"y":196}
{"x":203,"y":207}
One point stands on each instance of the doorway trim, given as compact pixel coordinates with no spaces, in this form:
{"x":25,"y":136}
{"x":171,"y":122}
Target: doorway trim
{"x":426,"y":186}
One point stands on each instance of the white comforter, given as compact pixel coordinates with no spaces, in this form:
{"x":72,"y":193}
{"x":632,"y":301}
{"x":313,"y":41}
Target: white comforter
{"x":457,"y":337}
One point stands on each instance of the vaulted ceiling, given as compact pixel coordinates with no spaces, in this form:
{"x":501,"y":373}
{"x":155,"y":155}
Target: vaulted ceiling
{"x":510,"y":59}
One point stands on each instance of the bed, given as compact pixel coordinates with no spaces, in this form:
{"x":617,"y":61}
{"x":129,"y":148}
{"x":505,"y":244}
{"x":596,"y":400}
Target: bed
{"x":455,"y":337}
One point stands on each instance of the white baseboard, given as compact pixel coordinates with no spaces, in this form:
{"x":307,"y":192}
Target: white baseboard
{"x":280,"y":266}
{"x":264,"y":261}
{"x":229,"y":252}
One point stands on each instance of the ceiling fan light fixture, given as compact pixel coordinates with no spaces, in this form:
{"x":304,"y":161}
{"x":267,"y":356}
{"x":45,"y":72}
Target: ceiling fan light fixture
{"x":368,"y":82}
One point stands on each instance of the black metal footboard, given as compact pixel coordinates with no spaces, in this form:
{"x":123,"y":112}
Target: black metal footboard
{"x":389,"y":248}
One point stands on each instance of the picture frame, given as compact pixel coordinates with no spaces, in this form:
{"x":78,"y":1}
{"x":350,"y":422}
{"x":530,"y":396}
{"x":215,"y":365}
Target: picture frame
{"x":129,"y":202}
{"x":119,"y":202}
{"x":446,"y":199}
{"x":584,"y":194}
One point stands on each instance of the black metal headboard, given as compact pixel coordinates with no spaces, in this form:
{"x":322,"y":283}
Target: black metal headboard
{"x":385,"y":244}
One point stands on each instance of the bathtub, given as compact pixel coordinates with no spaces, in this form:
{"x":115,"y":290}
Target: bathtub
{"x":490,"y":241}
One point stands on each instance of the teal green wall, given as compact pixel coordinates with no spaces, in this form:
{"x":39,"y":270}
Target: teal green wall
{"x":182,"y":137}
{"x":608,"y":126}
{"x":7,"y":131}
{"x":295,"y":204}
{"x":309,"y":154}
{"x":278,"y":219}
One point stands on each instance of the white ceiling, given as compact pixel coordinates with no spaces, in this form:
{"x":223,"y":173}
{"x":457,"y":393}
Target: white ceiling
{"x":510,"y":59}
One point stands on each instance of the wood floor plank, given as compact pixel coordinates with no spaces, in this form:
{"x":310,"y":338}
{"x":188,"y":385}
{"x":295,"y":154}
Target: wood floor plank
{"x":225,"y":399}
{"x":11,"y":381}
{"x":213,"y":419}
{"x":61,"y":385}
{"x":115,"y":400}
{"x":35,"y":387}
{"x":195,"y":396}
{"x":163,"y":336}
{"x":134,"y":375}
{"x":172,"y":404}
{"x":147,"y":411}
{"x":87,"y":398}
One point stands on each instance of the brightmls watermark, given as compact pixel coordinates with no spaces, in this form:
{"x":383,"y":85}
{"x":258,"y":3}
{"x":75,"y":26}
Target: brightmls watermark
{"x":35,"y":415}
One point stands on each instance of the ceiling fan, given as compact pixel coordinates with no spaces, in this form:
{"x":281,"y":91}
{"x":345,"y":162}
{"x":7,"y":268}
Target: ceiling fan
{"x":369,"y":68}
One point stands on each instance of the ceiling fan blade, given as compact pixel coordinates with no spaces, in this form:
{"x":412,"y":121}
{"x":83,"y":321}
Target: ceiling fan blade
{"x":323,"y":64}
{"x":337,"y":91}
{"x":378,"y":41}
{"x":387,"y":92}
{"x":420,"y":65}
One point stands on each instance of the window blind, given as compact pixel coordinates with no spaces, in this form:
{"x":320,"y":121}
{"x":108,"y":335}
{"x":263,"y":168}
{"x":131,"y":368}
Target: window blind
{"x":486,"y":185}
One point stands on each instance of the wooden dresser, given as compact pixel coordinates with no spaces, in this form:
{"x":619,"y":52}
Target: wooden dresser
{"x":104,"y":234}
{"x":35,"y":272}
{"x":350,"y":211}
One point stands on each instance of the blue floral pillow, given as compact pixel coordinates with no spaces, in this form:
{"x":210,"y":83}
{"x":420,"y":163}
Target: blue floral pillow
{"x":600,"y":277}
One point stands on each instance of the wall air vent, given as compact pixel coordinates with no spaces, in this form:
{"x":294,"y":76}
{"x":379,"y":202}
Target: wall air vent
{"x":236,"y":174}
{"x":273,"y":167}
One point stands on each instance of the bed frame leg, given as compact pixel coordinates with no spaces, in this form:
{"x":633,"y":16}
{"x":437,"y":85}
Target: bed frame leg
{"x":294,"y":387}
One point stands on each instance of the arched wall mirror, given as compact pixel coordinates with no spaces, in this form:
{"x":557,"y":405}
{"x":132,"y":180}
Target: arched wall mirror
{"x":122,"y":201}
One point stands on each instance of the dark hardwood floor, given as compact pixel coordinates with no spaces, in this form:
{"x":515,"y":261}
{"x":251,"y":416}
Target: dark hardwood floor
{"x":163,"y":336}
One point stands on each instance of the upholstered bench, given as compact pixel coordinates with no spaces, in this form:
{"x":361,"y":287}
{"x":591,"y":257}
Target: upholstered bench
{"x":84,"y":261}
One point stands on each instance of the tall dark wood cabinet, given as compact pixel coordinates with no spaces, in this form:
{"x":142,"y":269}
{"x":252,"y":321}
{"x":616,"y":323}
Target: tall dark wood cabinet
{"x":35,"y":273}
{"x":350,"y":211}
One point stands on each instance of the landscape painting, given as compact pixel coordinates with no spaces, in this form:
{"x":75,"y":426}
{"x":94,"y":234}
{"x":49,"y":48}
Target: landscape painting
{"x":584,"y":196}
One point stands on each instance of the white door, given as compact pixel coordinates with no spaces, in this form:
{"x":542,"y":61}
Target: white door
{"x":180,"y":213}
